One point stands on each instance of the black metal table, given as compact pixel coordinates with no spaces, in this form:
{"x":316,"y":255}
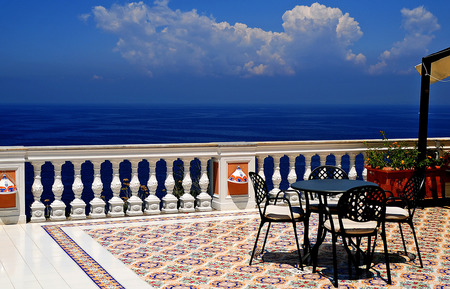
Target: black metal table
{"x":323,"y":189}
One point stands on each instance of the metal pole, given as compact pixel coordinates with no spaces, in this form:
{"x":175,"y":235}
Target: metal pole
{"x":424,"y":106}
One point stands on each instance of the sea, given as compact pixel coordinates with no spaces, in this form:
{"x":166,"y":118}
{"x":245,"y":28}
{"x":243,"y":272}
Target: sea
{"x":55,"y":125}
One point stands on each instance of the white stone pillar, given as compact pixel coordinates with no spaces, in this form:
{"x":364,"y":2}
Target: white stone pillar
{"x":152,"y":202}
{"x":37,"y":208}
{"x":203,"y":199}
{"x":134,"y":202}
{"x":78,"y":205}
{"x":338,"y":159}
{"x":97,"y":204}
{"x":352,"y":174}
{"x":292,"y":178}
{"x":187,"y":201}
{"x":58,"y":208}
{"x":308,"y":158}
{"x":364,"y":173}
{"x":276,"y":177}
{"x":170,"y":202}
{"x":116,"y":203}
{"x":261,"y":166}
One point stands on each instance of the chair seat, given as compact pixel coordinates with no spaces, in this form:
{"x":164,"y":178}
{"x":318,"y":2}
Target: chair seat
{"x":352,"y":227}
{"x":282,"y":213}
{"x":396,"y":214}
{"x":331,"y":204}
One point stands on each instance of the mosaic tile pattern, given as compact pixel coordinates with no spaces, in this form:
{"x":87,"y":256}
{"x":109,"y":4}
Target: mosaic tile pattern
{"x":213,"y":251}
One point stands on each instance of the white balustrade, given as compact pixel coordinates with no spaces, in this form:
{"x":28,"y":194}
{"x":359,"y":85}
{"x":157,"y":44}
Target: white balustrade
{"x":37,"y":207}
{"x":78,"y":205}
{"x":187,"y":201}
{"x":292,"y":178}
{"x":204,"y":199}
{"x":58,"y":208}
{"x":97,"y":204}
{"x":116,"y":203}
{"x":134,"y":207}
{"x":229,"y":152}
{"x":152,"y":201}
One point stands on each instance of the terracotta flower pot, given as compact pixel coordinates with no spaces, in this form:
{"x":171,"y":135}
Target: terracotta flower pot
{"x":395,"y":180}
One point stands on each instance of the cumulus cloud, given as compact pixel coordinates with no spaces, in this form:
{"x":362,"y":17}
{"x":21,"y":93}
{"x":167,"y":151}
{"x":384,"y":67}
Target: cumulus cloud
{"x":419,"y":24}
{"x":164,"y":40}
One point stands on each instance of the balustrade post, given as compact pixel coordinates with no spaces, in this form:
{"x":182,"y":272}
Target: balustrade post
{"x":203,"y":199}
{"x":116,"y":203}
{"x":261,"y":166}
{"x":364,"y":173}
{"x":187,"y":201}
{"x":276,"y":177}
{"x":338,"y":160}
{"x":78,"y":205}
{"x":97,"y":204}
{"x":134,"y":202}
{"x":352,"y":174}
{"x":308,"y":159}
{"x":58,"y":208}
{"x":292,"y":178}
{"x":323,"y":159}
{"x":170,"y":202}
{"x":152,"y":201}
{"x":37,"y":208}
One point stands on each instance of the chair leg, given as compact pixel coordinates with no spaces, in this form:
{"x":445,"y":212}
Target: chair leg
{"x":368,"y":256}
{"x":265,"y":238}
{"x":298,"y":246}
{"x":306,"y":244}
{"x":386,"y":255}
{"x":403,"y":239}
{"x":417,"y":243}
{"x":335,"y":269}
{"x":256,"y":242}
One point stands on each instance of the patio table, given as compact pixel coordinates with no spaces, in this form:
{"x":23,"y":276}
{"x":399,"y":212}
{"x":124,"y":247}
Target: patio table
{"x":324,"y":188}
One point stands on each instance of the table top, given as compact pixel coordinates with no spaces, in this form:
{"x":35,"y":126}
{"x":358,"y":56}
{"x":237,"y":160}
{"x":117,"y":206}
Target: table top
{"x":329,"y":186}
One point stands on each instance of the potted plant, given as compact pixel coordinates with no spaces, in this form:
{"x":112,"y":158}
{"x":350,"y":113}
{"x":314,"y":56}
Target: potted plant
{"x":392,"y":163}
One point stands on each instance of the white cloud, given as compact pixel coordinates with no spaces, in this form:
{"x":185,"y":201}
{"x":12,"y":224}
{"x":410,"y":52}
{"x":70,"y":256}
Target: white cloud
{"x":164,"y":40}
{"x":419,"y":25}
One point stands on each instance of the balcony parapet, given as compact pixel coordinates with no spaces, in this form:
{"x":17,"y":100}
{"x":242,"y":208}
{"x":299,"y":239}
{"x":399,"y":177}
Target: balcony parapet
{"x":163,"y":178}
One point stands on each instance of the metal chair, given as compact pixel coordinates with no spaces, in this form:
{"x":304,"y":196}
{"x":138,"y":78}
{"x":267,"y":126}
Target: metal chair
{"x":270,"y":212}
{"x":409,"y":198}
{"x":360,"y":214}
{"x":323,"y":173}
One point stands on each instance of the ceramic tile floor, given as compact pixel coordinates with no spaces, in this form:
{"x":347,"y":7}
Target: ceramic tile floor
{"x":30,"y":258}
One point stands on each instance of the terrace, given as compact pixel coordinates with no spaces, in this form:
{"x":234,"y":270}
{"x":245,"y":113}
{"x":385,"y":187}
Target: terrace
{"x":179,"y":228}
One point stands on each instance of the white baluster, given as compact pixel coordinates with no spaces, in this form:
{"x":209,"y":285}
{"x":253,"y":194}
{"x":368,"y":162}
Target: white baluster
{"x":261,"y":166}
{"x":364,"y":173}
{"x":352,"y":174}
{"x":152,"y":202}
{"x":292,"y":178}
{"x":323,"y":159}
{"x":37,"y":208}
{"x":97,"y":204}
{"x":78,"y":205}
{"x":308,"y":159}
{"x":170,"y":202}
{"x":203,"y":199}
{"x":116,"y":203}
{"x":187,"y":201}
{"x":58,"y":211}
{"x":134,"y":202}
{"x":276,"y":177}
{"x":338,"y":160}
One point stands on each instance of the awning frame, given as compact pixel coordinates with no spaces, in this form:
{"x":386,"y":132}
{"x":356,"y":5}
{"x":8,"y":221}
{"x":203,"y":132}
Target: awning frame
{"x":425,"y":99}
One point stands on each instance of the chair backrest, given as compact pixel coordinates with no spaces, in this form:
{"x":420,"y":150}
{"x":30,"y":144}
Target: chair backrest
{"x":411,"y":193}
{"x":260,"y":187}
{"x":362,"y":204}
{"x":328,"y":172}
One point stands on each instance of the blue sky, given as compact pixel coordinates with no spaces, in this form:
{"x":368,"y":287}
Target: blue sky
{"x":235,"y":51}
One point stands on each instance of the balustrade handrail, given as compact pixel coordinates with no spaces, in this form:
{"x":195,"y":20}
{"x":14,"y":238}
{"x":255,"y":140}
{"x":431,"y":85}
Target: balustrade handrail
{"x":15,"y":157}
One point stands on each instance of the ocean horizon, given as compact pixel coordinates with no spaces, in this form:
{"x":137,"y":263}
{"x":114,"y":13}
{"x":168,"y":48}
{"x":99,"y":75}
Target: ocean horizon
{"x":54,"y":125}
